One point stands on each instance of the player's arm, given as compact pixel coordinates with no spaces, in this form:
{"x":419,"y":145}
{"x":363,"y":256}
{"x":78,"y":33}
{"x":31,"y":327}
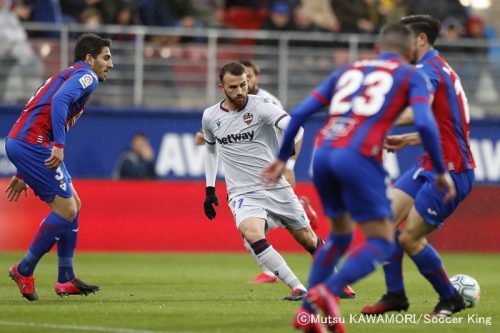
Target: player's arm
{"x":432,"y":82}
{"x":406,"y":117}
{"x":211,"y":161}
{"x":313,"y":103}
{"x":394,"y":143}
{"x":429,"y":134}
{"x":430,"y":78}
{"x":70,"y":92}
{"x":288,"y":172}
{"x":319,"y":98}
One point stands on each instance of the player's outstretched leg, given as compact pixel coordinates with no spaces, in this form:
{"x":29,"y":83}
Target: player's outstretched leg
{"x":395,"y":299}
{"x":327,"y":257}
{"x":266,"y":276}
{"x":51,"y":229}
{"x":359,"y":263}
{"x":273,"y":261}
{"x":430,"y":265}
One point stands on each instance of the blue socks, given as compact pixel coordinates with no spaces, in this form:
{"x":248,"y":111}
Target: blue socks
{"x":327,"y":257}
{"x":430,"y":265}
{"x":360,"y":262}
{"x":65,"y":251}
{"x":53,"y":229}
{"x":325,"y":260}
{"x":394,"y":268}
{"x":50,"y":231}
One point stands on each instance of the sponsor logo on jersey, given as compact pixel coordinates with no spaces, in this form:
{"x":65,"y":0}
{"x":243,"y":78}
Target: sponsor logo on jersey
{"x":248,"y":118}
{"x":86,"y":80}
{"x":233,"y":138}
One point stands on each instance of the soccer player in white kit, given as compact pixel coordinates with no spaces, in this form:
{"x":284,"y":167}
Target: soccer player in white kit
{"x":241,"y":131}
{"x":252,"y":72}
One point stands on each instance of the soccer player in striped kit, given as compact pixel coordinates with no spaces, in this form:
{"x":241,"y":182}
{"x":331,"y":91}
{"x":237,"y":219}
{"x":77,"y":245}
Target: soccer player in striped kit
{"x":365,"y":98}
{"x":35,"y":145}
{"x":415,"y":198}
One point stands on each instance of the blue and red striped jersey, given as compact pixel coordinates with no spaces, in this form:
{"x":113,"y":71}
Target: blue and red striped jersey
{"x":365,"y":98}
{"x":56,"y":106}
{"x":451,"y":111}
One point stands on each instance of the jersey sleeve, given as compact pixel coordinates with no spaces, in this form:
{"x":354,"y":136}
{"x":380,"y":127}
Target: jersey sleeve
{"x":324,"y":92}
{"x":79,"y":84}
{"x":420,"y":88}
{"x":207,"y":131}
{"x":424,"y":120}
{"x":319,"y":98}
{"x":276,"y":102}
{"x":270,"y":112}
{"x":432,"y":74}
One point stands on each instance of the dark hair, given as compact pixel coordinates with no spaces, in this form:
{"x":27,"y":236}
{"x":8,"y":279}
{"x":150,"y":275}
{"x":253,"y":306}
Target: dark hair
{"x":395,"y":37}
{"x":90,"y":44}
{"x":232,"y":68}
{"x":139,"y":134}
{"x":248,"y":63}
{"x":423,"y":24}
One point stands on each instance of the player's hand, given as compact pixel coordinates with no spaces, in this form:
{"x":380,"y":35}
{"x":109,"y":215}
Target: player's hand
{"x":56,"y":158}
{"x":444,"y":183}
{"x":210,"y":200}
{"x":273,"y":172}
{"x":290,"y":177}
{"x":394,"y":143}
{"x":199,"y":138}
{"x":15,"y":188}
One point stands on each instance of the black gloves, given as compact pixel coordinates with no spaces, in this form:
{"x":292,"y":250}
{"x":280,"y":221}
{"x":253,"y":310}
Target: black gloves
{"x":210,"y":199}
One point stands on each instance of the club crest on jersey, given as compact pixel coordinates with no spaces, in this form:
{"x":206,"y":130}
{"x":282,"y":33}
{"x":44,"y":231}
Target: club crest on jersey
{"x":86,"y":80}
{"x":248,"y":118}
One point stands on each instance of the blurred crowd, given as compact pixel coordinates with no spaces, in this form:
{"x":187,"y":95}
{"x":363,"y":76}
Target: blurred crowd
{"x":20,"y":67}
{"x":351,"y":16}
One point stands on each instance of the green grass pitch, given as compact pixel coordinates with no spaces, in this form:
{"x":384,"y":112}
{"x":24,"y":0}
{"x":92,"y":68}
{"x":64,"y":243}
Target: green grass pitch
{"x":152,"y":293}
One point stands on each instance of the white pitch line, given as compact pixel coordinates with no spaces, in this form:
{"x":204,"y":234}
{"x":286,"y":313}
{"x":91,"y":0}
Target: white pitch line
{"x":79,"y":327}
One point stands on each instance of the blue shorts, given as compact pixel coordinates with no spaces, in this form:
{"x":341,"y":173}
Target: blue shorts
{"x":348,"y":182}
{"x":419,"y":184}
{"x":29,"y":160}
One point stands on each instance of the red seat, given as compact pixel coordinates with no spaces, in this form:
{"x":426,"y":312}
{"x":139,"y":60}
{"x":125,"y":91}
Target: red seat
{"x":244,"y":18}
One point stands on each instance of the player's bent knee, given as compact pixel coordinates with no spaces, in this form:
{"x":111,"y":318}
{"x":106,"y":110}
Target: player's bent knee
{"x":78,"y":204}
{"x":67,"y":208}
{"x":410,"y":244}
{"x":69,"y":213}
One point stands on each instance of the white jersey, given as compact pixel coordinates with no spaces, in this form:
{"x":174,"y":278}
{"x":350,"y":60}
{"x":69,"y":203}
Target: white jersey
{"x":266,"y":94}
{"x":246,"y":142}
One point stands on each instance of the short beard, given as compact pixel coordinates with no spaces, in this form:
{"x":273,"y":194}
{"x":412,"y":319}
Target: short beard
{"x":237,"y":103}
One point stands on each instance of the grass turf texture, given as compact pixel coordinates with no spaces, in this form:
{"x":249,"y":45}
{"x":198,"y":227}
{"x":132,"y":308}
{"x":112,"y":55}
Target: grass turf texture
{"x":145,"y":293}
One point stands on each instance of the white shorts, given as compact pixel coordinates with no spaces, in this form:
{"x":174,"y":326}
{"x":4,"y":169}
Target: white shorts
{"x":279,"y":207}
